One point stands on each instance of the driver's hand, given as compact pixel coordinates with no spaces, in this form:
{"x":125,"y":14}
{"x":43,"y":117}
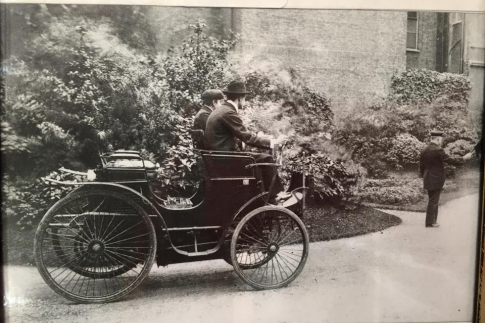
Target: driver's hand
{"x":261,"y":134}
{"x":281,"y":139}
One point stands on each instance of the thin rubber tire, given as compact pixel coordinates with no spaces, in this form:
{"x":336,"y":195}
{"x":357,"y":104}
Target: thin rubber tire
{"x":263,"y":241}
{"x":42,"y":236}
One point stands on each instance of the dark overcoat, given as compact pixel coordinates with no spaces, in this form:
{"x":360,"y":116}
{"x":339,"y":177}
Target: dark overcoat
{"x":224,"y":127}
{"x":200,"y":120}
{"x":432,"y":166}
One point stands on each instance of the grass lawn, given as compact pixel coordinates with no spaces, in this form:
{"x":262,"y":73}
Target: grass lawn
{"x":323,"y":223}
{"x":331,"y":223}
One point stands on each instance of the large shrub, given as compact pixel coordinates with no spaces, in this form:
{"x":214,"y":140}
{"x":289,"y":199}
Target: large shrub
{"x":100,"y":93}
{"x":392,"y":191}
{"x":422,"y":85}
{"x":15,"y":149}
{"x":405,"y":151}
{"x":368,"y":134}
{"x":27,"y":201}
{"x":281,"y":103}
{"x":390,"y":135}
{"x":442,"y":102}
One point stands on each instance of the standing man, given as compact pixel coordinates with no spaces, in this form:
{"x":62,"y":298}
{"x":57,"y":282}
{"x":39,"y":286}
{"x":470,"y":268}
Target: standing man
{"x":432,"y":170}
{"x":211,"y":99}
{"x":225,"y":127}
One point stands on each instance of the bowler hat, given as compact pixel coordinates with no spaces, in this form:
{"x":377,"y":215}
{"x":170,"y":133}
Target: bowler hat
{"x":212,"y":94}
{"x":436,"y":133}
{"x":236,"y":87}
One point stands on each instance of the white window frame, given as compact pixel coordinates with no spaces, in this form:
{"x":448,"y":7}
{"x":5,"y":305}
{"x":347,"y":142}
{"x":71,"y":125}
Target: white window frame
{"x":410,"y":49}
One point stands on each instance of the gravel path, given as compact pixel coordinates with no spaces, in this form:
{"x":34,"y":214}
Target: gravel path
{"x":407,"y":273}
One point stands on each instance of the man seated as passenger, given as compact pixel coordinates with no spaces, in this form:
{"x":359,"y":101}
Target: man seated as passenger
{"x":224,"y":128}
{"x":211,"y":99}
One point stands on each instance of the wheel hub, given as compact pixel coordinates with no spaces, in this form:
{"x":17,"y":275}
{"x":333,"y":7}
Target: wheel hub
{"x":96,"y":247}
{"x":273,"y":248}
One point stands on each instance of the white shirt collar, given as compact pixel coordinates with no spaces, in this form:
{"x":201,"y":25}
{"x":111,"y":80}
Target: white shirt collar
{"x":234,"y":105}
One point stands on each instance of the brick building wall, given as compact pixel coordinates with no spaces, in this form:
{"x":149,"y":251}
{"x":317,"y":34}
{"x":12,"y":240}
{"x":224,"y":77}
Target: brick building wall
{"x":349,"y":55}
{"x":425,"y":56}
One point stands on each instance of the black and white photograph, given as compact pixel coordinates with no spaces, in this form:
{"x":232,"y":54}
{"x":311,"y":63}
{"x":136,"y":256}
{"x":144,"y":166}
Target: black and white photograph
{"x":210,"y":164}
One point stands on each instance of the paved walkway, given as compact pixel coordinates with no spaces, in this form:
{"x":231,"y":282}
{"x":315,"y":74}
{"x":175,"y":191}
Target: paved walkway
{"x":407,"y":273}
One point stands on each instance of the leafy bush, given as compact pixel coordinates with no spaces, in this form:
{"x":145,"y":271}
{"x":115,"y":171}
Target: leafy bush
{"x":376,"y":167}
{"x":393,"y":195}
{"x":281,"y":103}
{"x":178,"y":172}
{"x":95,"y":94}
{"x":18,"y":200}
{"x":422,"y":85}
{"x":392,"y":191}
{"x":459,"y":148}
{"x":27,"y":201}
{"x":405,"y":151}
{"x":329,"y":180}
{"x":390,"y":134}
{"x":453,"y":119}
{"x":15,"y":149}
{"x":368,"y":135}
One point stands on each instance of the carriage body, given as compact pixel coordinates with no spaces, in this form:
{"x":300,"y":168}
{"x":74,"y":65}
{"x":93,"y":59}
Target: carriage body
{"x":196,"y":228}
{"x":115,"y":227}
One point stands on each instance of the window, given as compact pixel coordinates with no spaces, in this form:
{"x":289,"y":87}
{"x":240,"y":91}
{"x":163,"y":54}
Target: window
{"x":456,"y":48}
{"x":412,"y":35}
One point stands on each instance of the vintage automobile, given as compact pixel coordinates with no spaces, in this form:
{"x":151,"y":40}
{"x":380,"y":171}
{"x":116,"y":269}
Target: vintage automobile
{"x":99,"y":242}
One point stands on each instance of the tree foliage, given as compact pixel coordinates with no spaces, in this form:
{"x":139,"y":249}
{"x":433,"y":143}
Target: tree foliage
{"x":200,"y":63}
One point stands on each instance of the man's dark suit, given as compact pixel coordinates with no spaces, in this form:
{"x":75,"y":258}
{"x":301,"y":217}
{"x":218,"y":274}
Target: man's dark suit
{"x":223,"y":130}
{"x":200,"y":120}
{"x":225,"y":126}
{"x":432,"y":170}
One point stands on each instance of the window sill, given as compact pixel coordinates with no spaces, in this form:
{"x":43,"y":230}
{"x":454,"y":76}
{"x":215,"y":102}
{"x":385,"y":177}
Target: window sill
{"x":477,"y":64}
{"x":412,"y":50}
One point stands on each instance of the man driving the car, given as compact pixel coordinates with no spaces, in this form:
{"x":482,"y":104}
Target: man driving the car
{"x":225,"y":127}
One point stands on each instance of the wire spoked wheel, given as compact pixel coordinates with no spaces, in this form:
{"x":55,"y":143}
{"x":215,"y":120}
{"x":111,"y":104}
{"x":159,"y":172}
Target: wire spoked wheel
{"x":88,"y":268}
{"x":261,"y":260}
{"x":95,"y":246}
{"x":269,"y":247}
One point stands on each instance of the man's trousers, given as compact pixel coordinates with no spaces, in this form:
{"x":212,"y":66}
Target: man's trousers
{"x":267,"y":174}
{"x":432,"y":210}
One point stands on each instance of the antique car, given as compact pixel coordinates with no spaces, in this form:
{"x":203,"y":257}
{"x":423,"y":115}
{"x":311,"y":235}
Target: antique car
{"x":99,"y":242}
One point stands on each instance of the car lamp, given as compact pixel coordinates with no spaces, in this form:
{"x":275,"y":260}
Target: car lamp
{"x":91,"y":175}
